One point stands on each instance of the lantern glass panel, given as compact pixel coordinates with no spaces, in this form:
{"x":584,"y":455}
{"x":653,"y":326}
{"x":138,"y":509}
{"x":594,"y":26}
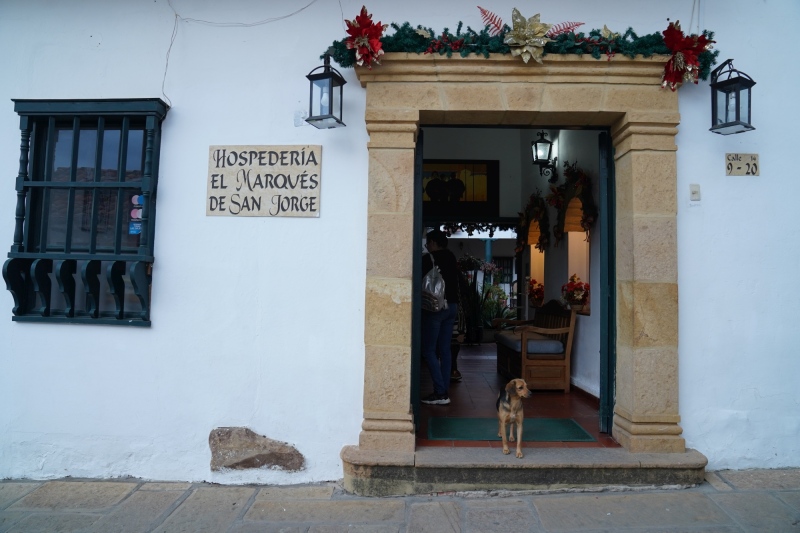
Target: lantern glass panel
{"x":732,"y":111}
{"x":336,"y":104}
{"x":542,"y":151}
{"x":744,"y":106}
{"x":730,"y":106}
{"x":321,"y":97}
{"x":726,"y":107}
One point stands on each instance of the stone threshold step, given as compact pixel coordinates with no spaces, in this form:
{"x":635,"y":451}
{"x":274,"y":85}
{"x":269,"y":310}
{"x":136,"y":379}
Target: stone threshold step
{"x":433,"y":469}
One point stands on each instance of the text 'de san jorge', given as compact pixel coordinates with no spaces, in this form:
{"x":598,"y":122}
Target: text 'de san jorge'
{"x":264,"y":181}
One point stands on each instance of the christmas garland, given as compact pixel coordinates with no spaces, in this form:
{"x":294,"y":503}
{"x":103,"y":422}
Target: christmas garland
{"x":535,"y":211}
{"x":469,"y":228}
{"x":577,"y":184}
{"x":691,"y":57}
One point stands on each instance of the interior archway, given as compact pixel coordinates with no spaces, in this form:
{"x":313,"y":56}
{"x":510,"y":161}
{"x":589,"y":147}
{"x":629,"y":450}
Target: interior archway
{"x":572,"y":219}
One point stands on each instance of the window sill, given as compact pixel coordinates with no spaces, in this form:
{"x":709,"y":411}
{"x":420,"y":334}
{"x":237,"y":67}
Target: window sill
{"x":128,"y":321}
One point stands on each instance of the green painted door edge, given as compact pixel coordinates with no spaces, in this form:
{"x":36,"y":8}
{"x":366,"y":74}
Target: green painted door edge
{"x":608,"y":314}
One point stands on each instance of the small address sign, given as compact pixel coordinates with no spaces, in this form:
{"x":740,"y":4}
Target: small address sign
{"x":741,"y":165}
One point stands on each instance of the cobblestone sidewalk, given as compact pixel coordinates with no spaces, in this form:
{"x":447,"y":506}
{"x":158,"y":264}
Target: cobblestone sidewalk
{"x":729,"y":501}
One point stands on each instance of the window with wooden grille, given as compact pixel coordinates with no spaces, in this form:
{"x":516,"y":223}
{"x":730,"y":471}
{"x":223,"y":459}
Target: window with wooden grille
{"x":506,"y":266}
{"x":86,"y":210}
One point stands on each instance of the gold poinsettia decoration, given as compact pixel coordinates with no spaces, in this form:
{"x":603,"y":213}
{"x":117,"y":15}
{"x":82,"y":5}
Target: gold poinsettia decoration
{"x":423,"y":32}
{"x":527,"y":36}
{"x":608,"y":34}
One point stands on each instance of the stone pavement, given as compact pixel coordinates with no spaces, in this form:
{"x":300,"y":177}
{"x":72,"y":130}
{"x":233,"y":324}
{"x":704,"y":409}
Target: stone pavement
{"x":729,"y":501}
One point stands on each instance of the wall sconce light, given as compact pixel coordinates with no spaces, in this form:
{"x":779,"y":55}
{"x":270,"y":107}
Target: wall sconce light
{"x":325,"y":98}
{"x":730,"y":100}
{"x":542,"y":150}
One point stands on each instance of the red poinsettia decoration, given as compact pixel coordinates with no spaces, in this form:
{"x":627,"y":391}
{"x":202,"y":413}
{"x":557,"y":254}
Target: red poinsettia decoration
{"x":575,"y":291}
{"x":365,"y":38}
{"x":535,"y":290}
{"x":684,"y":64}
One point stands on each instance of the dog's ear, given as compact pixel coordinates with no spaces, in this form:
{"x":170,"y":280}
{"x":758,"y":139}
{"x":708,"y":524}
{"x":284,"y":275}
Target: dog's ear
{"x":511,"y":388}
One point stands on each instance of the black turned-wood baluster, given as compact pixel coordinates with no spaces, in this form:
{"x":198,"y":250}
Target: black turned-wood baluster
{"x":22,"y":177}
{"x":116,"y":286}
{"x":90,"y":274}
{"x":40,"y":273}
{"x":140,"y":279}
{"x":65,"y":274}
{"x":14,"y":271}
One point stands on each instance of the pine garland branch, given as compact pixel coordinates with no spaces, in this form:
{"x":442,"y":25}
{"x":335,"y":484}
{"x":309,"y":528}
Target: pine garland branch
{"x":422,"y":40}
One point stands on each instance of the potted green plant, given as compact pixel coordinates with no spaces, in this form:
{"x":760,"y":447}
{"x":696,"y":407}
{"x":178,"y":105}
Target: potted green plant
{"x":495,"y":305}
{"x":476,"y":295}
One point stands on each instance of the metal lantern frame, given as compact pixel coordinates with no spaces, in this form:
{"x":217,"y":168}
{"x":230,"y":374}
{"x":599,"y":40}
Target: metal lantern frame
{"x":730,"y":100}
{"x":547,"y":164}
{"x":329,"y":83}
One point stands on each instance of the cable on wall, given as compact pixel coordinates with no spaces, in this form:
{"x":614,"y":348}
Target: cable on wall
{"x":178,"y":18}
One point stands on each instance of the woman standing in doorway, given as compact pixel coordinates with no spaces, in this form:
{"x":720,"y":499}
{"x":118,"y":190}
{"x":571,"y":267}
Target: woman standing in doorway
{"x":437,"y":327}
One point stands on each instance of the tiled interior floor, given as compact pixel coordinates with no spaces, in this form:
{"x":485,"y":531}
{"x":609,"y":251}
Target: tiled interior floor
{"x":476,"y":394}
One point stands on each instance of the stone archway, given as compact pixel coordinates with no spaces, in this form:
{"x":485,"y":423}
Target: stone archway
{"x":624,"y":94}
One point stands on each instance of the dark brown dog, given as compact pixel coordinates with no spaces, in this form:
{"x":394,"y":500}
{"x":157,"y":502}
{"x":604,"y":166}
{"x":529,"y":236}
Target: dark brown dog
{"x":509,"y":413}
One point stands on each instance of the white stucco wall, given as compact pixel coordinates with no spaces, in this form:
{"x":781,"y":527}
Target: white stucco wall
{"x":259,"y":322}
{"x":583,"y":148}
{"x":740,"y":404}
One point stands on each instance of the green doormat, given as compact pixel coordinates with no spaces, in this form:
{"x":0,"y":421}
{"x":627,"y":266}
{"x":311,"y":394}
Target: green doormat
{"x":534,"y":429}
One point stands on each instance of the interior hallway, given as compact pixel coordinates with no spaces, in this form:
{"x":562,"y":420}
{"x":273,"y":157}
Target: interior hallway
{"x":476,"y":394}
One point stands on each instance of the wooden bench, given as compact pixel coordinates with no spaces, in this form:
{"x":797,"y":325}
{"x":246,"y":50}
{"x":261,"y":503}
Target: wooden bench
{"x":538,"y":350}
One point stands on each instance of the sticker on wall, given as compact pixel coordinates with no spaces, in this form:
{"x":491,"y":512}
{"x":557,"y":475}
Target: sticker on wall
{"x":135,"y":224}
{"x":264,"y":181}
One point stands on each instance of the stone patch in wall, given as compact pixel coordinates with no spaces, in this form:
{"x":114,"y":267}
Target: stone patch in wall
{"x":239,"y":448}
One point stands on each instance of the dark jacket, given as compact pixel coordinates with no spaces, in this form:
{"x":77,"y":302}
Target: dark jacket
{"x":446,"y":262}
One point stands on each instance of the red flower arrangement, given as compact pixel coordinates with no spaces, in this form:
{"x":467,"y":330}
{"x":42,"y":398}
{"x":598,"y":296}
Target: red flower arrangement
{"x":490,"y":268}
{"x":575,"y":292}
{"x":365,"y":38}
{"x":684,"y":65}
{"x":535,"y":292}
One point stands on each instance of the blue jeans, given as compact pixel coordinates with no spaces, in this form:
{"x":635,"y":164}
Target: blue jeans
{"x":437,"y":333}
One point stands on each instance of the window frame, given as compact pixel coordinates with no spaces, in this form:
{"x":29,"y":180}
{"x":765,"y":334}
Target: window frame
{"x":33,"y":265}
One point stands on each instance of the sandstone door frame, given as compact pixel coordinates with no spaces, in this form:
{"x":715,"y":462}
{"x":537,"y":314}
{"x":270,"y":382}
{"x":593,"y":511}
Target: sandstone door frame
{"x":623,"y":94}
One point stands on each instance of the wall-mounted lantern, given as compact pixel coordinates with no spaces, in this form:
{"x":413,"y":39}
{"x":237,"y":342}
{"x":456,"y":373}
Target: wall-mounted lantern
{"x":542,"y":152}
{"x":325,"y":99}
{"x":730,"y":100}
